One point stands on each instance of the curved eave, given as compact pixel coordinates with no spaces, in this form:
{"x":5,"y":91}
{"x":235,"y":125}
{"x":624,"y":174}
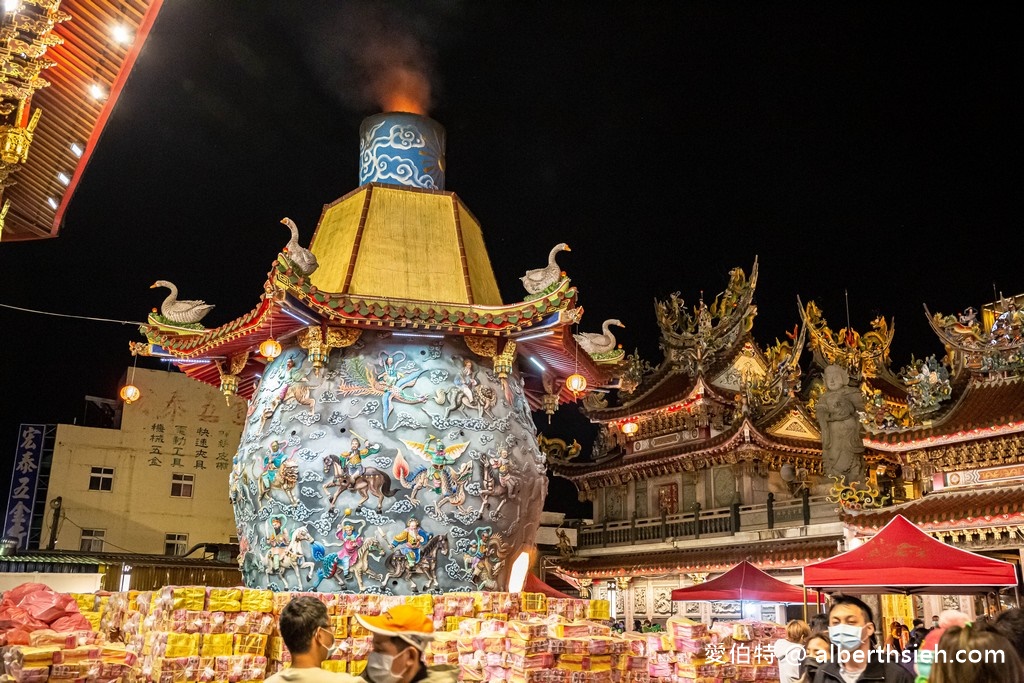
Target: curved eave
{"x":672,"y":386}
{"x":558,"y":355}
{"x":945,"y":510}
{"x":243,"y":333}
{"x":987,"y":408}
{"x":724,"y":448}
{"x":382,"y":312}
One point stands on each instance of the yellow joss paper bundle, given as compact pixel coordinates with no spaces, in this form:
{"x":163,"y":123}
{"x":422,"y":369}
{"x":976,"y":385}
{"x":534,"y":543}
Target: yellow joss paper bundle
{"x":257,"y":600}
{"x":225,"y":600}
{"x":217,"y":645}
{"x":182,"y":645}
{"x":189,"y":598}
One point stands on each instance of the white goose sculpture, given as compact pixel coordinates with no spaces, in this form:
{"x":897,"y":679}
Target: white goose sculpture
{"x":302,"y":259}
{"x":537,"y":280}
{"x":183,"y":311}
{"x":594,"y":343}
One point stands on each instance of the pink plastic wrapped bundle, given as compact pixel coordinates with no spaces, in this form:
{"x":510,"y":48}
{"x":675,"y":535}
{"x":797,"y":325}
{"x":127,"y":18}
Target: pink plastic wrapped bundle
{"x":744,"y":672}
{"x":496,"y":673}
{"x":361,"y":647}
{"x":441,"y":658}
{"x":635,"y":677}
{"x":660,"y":668}
{"x":472,"y":660}
{"x":521,"y":662}
{"x":590,"y":677}
{"x":31,"y":674}
{"x":632,"y":663}
{"x":528,"y":646}
{"x":679,"y":627}
{"x":494,"y":627}
{"x":367,"y":604}
{"x":694,"y":645}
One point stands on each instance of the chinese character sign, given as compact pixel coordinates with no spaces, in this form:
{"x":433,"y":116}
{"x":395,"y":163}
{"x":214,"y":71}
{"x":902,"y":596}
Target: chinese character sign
{"x":23,"y":483}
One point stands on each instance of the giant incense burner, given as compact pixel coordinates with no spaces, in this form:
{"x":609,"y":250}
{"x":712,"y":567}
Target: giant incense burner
{"x":390,"y":447}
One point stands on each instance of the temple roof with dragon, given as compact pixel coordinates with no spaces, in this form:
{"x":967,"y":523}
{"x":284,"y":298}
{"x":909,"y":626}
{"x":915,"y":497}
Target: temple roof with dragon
{"x":714,"y":456}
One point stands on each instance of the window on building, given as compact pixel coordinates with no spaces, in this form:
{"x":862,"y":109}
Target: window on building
{"x":92,"y":540}
{"x":175,"y":544}
{"x":101,"y":478}
{"x":181,"y":485}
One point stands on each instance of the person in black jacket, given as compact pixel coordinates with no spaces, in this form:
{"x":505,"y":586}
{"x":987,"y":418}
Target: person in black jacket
{"x":852,"y":631}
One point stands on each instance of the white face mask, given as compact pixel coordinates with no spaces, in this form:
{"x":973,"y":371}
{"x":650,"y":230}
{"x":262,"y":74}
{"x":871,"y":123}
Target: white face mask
{"x":378,"y":668}
{"x":333,"y":647}
{"x":846,"y":636}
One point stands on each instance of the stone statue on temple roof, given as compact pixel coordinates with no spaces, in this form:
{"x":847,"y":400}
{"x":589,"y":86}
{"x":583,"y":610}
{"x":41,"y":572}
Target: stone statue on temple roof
{"x":842,"y":447}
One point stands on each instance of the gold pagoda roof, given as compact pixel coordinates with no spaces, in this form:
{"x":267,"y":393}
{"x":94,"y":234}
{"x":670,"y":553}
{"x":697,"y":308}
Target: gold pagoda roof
{"x":407,"y":243}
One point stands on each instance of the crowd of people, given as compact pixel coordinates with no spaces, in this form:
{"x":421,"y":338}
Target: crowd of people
{"x":838,"y":647}
{"x":400,"y":638}
{"x":843,"y":647}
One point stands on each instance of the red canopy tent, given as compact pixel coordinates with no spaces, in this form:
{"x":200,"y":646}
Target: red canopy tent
{"x":901,"y":558}
{"x":534,"y":585}
{"x":745,"y":582}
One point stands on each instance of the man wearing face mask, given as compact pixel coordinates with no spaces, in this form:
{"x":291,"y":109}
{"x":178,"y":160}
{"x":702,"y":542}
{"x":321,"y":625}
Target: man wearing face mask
{"x":850,"y":628}
{"x":400,"y":637}
{"x":306,"y":630}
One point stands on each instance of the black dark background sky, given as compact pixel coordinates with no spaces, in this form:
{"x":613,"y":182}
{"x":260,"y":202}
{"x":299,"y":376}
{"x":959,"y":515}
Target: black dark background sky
{"x":868,"y":148}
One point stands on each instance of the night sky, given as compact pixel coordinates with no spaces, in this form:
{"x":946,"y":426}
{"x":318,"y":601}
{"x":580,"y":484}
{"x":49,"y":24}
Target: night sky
{"x":856,"y":149}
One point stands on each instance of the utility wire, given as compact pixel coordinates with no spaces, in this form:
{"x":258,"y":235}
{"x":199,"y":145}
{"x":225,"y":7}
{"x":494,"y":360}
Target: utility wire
{"x":66,"y":315}
{"x":95,"y":319}
{"x":64,"y":518}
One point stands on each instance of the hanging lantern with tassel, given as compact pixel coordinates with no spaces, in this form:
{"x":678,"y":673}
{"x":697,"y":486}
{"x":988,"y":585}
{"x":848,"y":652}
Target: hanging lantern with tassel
{"x":549,"y":402}
{"x":129,"y":392}
{"x":270,"y":349}
{"x":576,"y":383}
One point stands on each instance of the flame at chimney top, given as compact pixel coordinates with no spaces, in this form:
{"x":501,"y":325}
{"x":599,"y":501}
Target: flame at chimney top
{"x":400,"y":148}
{"x":401,"y":89}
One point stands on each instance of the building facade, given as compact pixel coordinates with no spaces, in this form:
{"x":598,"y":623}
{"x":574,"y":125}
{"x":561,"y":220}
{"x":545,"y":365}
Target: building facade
{"x":159,"y":484}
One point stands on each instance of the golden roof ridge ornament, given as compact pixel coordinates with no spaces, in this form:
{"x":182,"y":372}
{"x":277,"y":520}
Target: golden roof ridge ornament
{"x":692,"y":341}
{"x":863,"y":355}
{"x":997,"y":349}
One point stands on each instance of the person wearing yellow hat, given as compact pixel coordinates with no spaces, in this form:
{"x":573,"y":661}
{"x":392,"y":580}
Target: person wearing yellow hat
{"x":400,"y":638}
{"x":306,"y":630}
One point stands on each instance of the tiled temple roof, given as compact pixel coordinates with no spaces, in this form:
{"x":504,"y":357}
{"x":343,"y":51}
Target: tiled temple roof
{"x":989,"y":407}
{"x":778,"y":554}
{"x":984,"y":506}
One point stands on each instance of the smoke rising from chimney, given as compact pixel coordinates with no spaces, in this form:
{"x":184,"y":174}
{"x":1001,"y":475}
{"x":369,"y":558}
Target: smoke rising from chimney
{"x":372,"y":55}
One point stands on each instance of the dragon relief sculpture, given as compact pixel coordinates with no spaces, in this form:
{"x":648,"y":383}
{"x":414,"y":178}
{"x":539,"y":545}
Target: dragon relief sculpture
{"x":863,"y":355}
{"x":998,"y":349}
{"x":692,"y":340}
{"x":783,"y":373}
{"x":558,"y":451}
{"x":634,"y":369}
